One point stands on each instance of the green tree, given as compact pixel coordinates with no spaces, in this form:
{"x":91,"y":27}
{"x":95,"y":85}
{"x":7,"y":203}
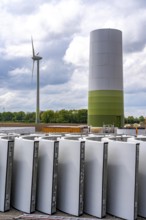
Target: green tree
{"x":141,"y":119}
{"x":7,"y":116}
{"x":0,"y":116}
{"x":19,"y":116}
{"x":82,"y":116}
{"x":63,"y":116}
{"x":30,"y":117}
{"x":130,"y":120}
{"x":74,"y":116}
{"x":125,"y":120}
{"x":136,"y":120}
{"x":48,"y":116}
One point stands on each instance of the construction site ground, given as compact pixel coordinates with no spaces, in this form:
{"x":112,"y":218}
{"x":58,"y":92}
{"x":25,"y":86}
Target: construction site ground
{"x":15,"y":214}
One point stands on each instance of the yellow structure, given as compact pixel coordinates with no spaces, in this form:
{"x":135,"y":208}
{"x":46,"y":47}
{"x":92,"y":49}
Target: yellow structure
{"x":64,"y":129}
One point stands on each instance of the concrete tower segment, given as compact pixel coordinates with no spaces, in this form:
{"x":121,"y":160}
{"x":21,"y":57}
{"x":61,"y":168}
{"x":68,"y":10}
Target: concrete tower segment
{"x":105,"y":98}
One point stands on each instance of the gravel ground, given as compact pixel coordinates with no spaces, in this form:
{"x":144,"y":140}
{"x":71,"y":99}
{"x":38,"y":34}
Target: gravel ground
{"x":16,"y":215}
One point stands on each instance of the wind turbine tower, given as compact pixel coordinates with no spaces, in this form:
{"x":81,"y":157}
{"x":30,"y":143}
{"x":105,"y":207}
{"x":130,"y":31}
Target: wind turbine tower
{"x":37,"y":58}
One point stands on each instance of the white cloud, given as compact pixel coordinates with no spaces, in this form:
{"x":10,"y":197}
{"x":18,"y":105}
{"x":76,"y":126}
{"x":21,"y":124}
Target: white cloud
{"x":60,"y":14}
{"x":78,"y":51}
{"x":6,"y":100}
{"x":19,"y":71}
{"x":12,"y":52}
{"x":134,"y":72}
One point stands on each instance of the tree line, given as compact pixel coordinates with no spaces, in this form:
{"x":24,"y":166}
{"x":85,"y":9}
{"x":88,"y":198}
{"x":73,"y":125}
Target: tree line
{"x":132,"y":120}
{"x":49,"y":116}
{"x":61,"y":116}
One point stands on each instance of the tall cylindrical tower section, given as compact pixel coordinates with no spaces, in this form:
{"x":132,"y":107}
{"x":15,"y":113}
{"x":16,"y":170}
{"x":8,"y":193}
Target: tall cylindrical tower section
{"x":105,"y":97}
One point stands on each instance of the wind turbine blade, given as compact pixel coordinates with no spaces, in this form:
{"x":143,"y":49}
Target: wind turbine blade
{"x":33,"y":52}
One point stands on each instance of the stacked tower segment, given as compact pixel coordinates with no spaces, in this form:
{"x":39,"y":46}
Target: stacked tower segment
{"x":105,"y":96}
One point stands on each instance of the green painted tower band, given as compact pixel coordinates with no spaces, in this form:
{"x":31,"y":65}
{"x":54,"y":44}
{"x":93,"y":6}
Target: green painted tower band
{"x":105,"y":97}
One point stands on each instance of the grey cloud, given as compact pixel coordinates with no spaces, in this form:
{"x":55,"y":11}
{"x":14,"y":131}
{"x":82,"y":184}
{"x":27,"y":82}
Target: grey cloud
{"x":134,"y":46}
{"x":136,"y":90}
{"x":135,"y":99}
{"x":67,"y":31}
{"x":64,"y":98}
{"x":55,"y":48}
{"x":22,"y":7}
{"x":91,"y":1}
{"x":57,"y":73}
{"x":16,"y":82}
{"x":136,"y":84}
{"x":136,"y":40}
{"x":141,"y":3}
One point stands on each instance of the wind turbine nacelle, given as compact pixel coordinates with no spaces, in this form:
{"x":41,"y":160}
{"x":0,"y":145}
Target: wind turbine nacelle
{"x":36,"y":58}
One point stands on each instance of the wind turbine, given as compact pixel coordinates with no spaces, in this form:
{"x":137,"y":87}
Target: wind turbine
{"x":37,"y":58}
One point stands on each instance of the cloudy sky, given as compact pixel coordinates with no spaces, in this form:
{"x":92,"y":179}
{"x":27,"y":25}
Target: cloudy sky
{"x":61,"y":30}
